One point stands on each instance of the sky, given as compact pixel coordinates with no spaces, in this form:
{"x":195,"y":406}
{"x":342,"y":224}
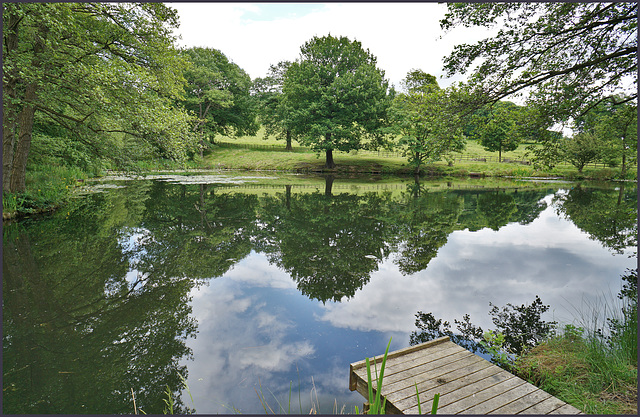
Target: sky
{"x":402,"y":36}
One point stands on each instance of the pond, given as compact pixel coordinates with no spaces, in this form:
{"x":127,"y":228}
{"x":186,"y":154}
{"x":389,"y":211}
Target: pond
{"x":260,"y":290}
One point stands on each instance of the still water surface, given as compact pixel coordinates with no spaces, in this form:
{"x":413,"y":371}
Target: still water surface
{"x":271,"y":286}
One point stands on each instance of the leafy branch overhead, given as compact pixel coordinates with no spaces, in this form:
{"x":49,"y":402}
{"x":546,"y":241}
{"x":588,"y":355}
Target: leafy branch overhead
{"x":570,"y":56}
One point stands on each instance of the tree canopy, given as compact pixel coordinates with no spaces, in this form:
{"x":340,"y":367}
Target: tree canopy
{"x":337,"y":96}
{"x":499,"y":130}
{"x":569,"y":55}
{"x":273,"y":110}
{"x":101,"y":71}
{"x":426,"y":118}
{"x":217,"y":92}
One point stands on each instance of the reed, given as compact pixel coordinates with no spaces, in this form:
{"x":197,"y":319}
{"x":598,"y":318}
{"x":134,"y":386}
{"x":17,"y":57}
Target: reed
{"x":376,"y":405}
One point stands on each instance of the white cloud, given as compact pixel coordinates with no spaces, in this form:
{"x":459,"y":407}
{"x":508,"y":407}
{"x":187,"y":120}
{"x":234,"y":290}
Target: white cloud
{"x":239,"y":344}
{"x":475,"y":268}
{"x":402,"y":36}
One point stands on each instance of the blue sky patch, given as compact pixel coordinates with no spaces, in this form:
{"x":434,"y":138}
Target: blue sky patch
{"x":274,"y":11}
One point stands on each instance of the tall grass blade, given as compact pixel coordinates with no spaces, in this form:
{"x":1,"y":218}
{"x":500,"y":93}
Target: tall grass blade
{"x":299,"y":394}
{"x":434,"y":407}
{"x":133,"y":396}
{"x":375,"y":406}
{"x":418,"y":398}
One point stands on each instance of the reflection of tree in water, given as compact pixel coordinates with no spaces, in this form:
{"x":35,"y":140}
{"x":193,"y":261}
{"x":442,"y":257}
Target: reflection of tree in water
{"x":77,"y":334}
{"x":522,"y":327}
{"x":329,"y":244}
{"x":193,"y":232}
{"x":495,"y":209}
{"x":424,"y":225}
{"x":608,"y":216}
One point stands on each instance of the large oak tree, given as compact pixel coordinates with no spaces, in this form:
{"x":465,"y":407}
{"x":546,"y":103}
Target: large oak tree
{"x":337,"y":96}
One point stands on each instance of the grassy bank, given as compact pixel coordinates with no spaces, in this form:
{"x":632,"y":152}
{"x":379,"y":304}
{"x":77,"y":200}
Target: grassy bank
{"x":47,"y":187}
{"x":593,"y":367}
{"x":50,"y":185}
{"x":256,"y":153}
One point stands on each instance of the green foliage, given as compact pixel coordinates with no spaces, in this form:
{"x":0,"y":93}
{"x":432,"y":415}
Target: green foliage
{"x":218,"y":93}
{"x":274,"y":112}
{"x":305,"y":235}
{"x":428,"y":121}
{"x":416,"y":80}
{"x":104,"y":73}
{"x":494,"y":344}
{"x":581,"y":149}
{"x":83,"y":314}
{"x":337,"y":96}
{"x":608,"y":216}
{"x":522,"y":325}
{"x":497,"y":209}
{"x":547,"y":152}
{"x":376,"y":405}
{"x":434,"y":406}
{"x":499,"y":132}
{"x":613,"y":124}
{"x":569,"y":55}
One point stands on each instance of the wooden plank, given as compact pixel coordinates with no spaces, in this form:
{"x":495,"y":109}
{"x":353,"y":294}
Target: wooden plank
{"x":566,"y":409}
{"x":502,"y":398}
{"x":457,"y":389}
{"x":404,"y":351}
{"x":442,"y":352}
{"x":522,"y":403}
{"x":546,"y":406}
{"x":475,"y":397}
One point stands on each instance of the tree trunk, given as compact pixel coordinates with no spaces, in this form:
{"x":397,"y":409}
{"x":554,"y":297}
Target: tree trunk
{"x":289,"y":147}
{"x":623,"y":169}
{"x":500,"y":154}
{"x":8,"y":143}
{"x":17,"y":183}
{"x":416,"y":172}
{"x":329,"y":154}
{"x":416,"y":186}
{"x":288,"y":197}
{"x":329,"y":160}
{"x":328,"y":185}
{"x":17,"y":180}
{"x":9,"y":111}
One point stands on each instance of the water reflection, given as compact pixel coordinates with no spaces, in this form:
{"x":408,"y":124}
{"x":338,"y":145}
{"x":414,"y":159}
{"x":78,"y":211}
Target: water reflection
{"x":608,"y":216}
{"x":329,"y":244}
{"x":77,"y":336}
{"x":103,"y":297}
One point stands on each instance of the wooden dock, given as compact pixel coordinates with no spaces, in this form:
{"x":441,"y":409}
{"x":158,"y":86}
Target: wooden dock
{"x":467,"y":383}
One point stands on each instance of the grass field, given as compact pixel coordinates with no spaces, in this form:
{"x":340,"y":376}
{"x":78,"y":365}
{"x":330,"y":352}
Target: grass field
{"x":257,"y":153}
